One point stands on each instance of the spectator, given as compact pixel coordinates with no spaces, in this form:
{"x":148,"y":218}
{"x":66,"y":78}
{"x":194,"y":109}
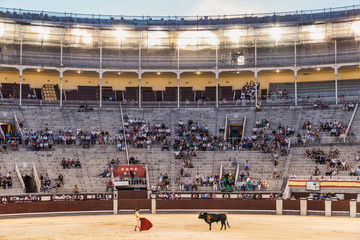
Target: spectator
{"x":110,"y":185}
{"x":76,"y":189}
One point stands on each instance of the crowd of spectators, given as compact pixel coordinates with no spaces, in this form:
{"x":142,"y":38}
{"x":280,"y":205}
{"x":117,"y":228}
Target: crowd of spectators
{"x":331,"y":159}
{"x":335,"y":128}
{"x":197,"y":180}
{"x":348,"y":106}
{"x":46,"y":183}
{"x":6,"y":181}
{"x":247,"y":94}
{"x":140,"y":134}
{"x":192,"y":137}
{"x":45,"y":139}
{"x":163,"y":184}
{"x":67,"y":164}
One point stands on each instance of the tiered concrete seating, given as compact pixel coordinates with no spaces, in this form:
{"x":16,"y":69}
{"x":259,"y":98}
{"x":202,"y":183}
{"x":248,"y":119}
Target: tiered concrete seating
{"x":93,"y":162}
{"x":301,"y":166}
{"x":261,"y":167}
{"x":97,"y":158}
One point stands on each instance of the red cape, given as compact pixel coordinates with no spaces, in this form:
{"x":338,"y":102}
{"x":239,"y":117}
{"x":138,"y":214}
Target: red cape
{"x":145,"y":224}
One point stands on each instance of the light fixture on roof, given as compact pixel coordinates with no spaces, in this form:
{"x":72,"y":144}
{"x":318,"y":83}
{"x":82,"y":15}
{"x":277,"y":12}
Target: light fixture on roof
{"x":2,"y":29}
{"x":235,"y":34}
{"x":356,"y":27}
{"x":156,"y":38}
{"x":316,"y":32}
{"x":197,"y":38}
{"x":43,"y":33}
{"x":276,"y":33}
{"x":82,"y":35}
{"x":120,"y":34}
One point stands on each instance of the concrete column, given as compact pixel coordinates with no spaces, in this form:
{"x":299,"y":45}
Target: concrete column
{"x":178,"y":90}
{"x":328,"y":207}
{"x":20,"y":93}
{"x":100,"y":97}
{"x":153,"y":205}
{"x":217,"y":89}
{"x":353,"y":208}
{"x":115,"y":202}
{"x":256,"y":91}
{"x":295,"y":82}
{"x":303,"y":206}
{"x":336,"y":86}
{"x":61,"y":88}
{"x":279,"y":206}
{"x":139,"y":90}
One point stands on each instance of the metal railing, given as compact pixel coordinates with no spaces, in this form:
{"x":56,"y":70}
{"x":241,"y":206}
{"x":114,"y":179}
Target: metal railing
{"x":274,"y":101}
{"x":352,"y":119}
{"x":36,"y":177}
{"x":22,"y":184}
{"x":123,"y":127}
{"x":77,"y":18}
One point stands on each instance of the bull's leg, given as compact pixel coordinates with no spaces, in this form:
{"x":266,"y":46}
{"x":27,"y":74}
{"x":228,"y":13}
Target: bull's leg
{"x":210,"y":226}
{"x":222,"y":224}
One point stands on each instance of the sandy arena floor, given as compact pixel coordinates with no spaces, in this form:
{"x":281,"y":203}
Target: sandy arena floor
{"x":180,"y":226}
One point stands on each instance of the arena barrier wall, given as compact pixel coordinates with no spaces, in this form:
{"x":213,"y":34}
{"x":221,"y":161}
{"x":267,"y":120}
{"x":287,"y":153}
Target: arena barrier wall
{"x":54,"y":204}
{"x":224,"y":204}
{"x":293,"y":205}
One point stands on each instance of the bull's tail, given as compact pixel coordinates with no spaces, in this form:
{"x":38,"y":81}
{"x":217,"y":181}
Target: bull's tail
{"x":227,"y":222}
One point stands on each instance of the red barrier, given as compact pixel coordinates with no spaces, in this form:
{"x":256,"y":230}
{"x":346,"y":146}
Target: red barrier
{"x":316,"y":205}
{"x":340,"y":205}
{"x":291,"y":205}
{"x":230,"y":204}
{"x":55,"y":206}
{"x":132,"y":204}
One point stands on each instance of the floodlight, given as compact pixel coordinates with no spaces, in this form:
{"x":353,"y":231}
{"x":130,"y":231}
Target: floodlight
{"x":82,"y":35}
{"x":43,"y":33}
{"x":315,"y":32}
{"x":156,"y":38}
{"x":195,"y":38}
{"x":235,"y":34}
{"x":120,"y":34}
{"x":2,"y":29}
{"x":356,"y":27}
{"x":276,"y":33}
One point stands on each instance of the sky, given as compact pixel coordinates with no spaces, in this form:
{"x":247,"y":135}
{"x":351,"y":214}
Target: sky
{"x":174,"y":7}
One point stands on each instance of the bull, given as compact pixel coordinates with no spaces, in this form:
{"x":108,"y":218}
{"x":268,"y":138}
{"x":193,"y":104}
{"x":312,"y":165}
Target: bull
{"x":210,"y":218}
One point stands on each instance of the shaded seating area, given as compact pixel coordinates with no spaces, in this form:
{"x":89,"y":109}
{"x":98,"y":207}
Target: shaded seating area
{"x":314,"y":89}
{"x":108,"y":94}
{"x":83,"y":93}
{"x":170,"y":94}
{"x":226,"y":92}
{"x":210,"y":93}
{"x":12,"y":90}
{"x":131,"y":93}
{"x":186,"y":93}
{"x":119,"y":95}
{"x":147,"y":94}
